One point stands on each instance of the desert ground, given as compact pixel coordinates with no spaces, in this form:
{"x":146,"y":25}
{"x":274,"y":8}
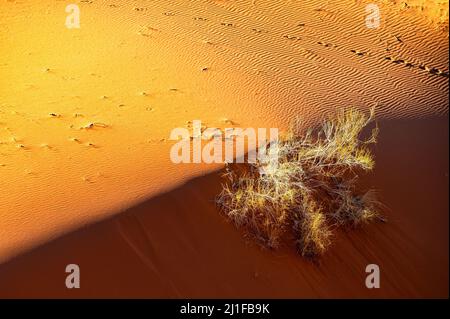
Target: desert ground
{"x":85,"y":119}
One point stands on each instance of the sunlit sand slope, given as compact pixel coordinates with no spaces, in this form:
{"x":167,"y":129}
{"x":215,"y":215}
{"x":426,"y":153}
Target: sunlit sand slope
{"x":85,"y":113}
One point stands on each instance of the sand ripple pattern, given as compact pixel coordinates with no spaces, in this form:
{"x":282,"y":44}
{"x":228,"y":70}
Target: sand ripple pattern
{"x":321,"y":57}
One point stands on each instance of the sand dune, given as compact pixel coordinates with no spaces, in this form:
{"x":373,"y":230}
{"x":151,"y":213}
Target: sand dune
{"x":85,"y":114}
{"x":179,"y":245}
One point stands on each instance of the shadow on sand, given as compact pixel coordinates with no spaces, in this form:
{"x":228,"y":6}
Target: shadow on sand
{"x":179,"y":245}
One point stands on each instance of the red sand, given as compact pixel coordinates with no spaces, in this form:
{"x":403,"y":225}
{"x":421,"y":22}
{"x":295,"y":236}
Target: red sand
{"x":178,"y":244}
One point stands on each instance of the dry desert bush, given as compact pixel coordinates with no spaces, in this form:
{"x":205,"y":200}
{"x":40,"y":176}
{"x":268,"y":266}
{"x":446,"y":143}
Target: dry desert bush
{"x":313,"y":188}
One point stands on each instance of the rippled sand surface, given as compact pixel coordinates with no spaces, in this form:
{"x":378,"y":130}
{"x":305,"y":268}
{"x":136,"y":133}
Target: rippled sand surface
{"x":85,"y":114}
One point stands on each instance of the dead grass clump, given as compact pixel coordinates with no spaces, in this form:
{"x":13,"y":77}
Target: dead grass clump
{"x":311,"y":189}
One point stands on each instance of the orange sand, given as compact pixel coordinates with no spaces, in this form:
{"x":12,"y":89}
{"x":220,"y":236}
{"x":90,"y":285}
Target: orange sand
{"x":138,"y":68}
{"x":178,"y":244}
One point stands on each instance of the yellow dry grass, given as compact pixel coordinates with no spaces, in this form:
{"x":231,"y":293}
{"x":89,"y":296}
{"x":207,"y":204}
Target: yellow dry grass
{"x":311,"y":190}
